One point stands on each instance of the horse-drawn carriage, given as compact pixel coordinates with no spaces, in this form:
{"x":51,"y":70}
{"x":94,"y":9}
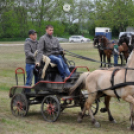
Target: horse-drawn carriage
{"x":52,"y":93}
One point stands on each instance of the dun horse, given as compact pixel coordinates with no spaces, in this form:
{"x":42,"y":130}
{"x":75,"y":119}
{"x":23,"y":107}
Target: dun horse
{"x":99,"y":80}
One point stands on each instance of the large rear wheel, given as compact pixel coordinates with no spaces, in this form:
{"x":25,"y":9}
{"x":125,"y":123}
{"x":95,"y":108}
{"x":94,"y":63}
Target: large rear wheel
{"x":50,"y":108}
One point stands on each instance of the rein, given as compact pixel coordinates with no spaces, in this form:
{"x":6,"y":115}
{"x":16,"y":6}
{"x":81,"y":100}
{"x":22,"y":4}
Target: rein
{"x":88,"y":59}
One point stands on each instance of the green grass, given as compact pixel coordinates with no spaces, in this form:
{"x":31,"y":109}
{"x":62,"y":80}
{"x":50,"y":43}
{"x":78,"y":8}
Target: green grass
{"x":12,"y":57}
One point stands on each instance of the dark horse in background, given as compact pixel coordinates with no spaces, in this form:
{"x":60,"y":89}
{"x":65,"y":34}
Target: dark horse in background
{"x":104,"y":47}
{"x":129,"y":40}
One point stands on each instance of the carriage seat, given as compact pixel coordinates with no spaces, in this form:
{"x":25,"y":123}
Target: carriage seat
{"x":47,"y":62}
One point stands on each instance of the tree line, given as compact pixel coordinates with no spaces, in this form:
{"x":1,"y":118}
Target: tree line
{"x":17,"y":16}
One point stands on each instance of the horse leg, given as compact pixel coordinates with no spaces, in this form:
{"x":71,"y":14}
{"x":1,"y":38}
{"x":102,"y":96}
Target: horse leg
{"x":109,"y":112}
{"x":100,"y":57}
{"x":106,"y":109}
{"x":126,"y":55}
{"x":104,"y":59}
{"x":103,"y":110}
{"x":81,"y":115}
{"x":130,"y":99}
{"x":90,"y":101}
{"x":121,"y":59}
{"x":109,"y":60}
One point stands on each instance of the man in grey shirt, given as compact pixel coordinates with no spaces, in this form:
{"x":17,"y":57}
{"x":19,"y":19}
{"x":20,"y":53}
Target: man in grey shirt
{"x":49,"y":46}
{"x":30,"y":49}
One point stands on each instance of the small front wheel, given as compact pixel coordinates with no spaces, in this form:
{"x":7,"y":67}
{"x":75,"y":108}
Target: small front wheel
{"x":50,"y":108}
{"x":19,"y":105}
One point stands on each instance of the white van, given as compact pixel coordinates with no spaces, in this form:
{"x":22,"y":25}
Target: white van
{"x":128,"y":34}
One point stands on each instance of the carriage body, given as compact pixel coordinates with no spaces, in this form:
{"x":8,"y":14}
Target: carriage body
{"x":52,"y":93}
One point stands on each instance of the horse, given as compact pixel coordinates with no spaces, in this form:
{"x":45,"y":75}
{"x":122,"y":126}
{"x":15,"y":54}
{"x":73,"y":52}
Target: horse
{"x":100,"y":49}
{"x":105,"y":48}
{"x":127,"y":49}
{"x":124,"y":38}
{"x":98,"y":80}
{"x":129,"y":40}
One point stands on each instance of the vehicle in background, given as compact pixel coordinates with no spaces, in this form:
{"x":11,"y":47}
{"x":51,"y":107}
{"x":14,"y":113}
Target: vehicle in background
{"x":106,"y":31}
{"x":62,"y":39}
{"x":78,"y":38}
{"x":128,"y":34}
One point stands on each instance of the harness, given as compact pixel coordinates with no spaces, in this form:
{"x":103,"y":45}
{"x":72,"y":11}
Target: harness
{"x":112,"y":82}
{"x":114,"y":87}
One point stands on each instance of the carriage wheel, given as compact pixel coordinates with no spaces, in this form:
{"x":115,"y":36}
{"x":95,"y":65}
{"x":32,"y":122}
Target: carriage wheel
{"x":95,"y":107}
{"x":50,"y":108}
{"x":19,"y":105}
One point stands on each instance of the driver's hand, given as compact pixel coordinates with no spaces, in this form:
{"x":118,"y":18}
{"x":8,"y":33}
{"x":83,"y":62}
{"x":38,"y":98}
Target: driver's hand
{"x":37,"y":64}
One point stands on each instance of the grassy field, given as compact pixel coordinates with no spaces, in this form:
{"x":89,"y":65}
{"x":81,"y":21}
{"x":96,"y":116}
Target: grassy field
{"x":12,"y":57}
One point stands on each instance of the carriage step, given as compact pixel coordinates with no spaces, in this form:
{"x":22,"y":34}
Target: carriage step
{"x":67,"y":98}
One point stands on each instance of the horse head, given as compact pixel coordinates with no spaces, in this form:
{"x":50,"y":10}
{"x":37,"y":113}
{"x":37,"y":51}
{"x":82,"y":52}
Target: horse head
{"x":103,"y":41}
{"x":96,"y":40}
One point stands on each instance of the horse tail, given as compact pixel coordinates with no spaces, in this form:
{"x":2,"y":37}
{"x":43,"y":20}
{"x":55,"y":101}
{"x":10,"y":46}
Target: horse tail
{"x":80,"y":81}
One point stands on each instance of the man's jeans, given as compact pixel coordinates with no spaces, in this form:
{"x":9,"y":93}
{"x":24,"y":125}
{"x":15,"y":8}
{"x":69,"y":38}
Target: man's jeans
{"x":62,"y":67}
{"x":29,"y":72}
{"x":115,"y":59}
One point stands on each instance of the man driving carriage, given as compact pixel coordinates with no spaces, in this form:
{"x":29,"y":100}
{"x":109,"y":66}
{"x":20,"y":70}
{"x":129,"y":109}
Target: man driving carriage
{"x":50,"y":47}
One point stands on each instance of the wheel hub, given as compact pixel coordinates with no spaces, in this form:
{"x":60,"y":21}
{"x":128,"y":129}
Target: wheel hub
{"x":50,"y":109}
{"x":19,"y":106}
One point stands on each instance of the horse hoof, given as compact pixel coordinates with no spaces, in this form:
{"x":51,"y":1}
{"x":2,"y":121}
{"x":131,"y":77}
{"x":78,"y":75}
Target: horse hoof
{"x":97,"y":125}
{"x":103,"y":110}
{"x":130,"y":118}
{"x":114,"y":121}
{"x":79,"y":120}
{"x":130,"y":128}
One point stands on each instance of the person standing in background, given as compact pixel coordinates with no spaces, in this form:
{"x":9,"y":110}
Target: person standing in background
{"x":116,"y":53}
